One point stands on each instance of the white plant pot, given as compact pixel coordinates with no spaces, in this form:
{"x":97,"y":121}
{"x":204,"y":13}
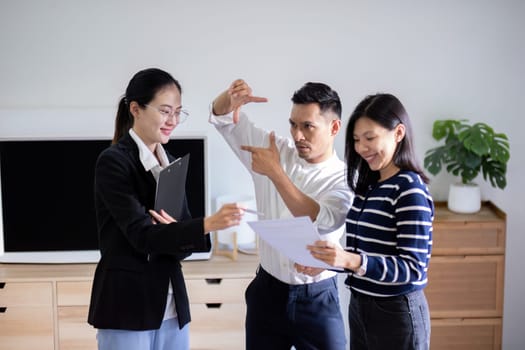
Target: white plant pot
{"x":464,"y":198}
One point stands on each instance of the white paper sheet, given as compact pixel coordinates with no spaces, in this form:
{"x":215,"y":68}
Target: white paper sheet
{"x":290,"y":237}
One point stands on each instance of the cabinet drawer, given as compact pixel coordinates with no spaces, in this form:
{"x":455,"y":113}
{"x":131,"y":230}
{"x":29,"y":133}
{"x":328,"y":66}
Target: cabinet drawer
{"x":73,"y":293}
{"x":27,"y":328}
{"x":75,"y":333}
{"x":217,"y":326}
{"x":470,"y":286}
{"x":26,"y":294}
{"x":468,"y":238}
{"x":466,"y":334}
{"x":217,"y":290}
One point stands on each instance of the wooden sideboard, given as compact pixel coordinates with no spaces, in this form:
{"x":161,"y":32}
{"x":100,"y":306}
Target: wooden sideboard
{"x":45,"y":306}
{"x":466,"y":275}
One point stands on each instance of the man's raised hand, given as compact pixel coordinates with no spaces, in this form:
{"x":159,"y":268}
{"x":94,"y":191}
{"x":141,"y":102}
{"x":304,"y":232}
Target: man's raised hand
{"x":265,"y":160}
{"x":240,"y":94}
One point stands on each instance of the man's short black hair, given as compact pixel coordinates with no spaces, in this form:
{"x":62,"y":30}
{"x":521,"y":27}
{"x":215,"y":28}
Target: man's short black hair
{"x":322,"y":94}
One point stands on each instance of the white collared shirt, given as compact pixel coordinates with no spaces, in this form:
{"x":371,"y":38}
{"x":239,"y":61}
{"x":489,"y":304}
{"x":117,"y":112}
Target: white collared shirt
{"x":325,"y":182}
{"x":150,"y":162}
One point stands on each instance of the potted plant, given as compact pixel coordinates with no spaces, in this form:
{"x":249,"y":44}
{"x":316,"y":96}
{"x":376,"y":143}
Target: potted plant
{"x":468,"y":149}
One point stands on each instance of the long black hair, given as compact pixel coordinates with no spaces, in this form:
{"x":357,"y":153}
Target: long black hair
{"x":387,"y":111}
{"x":142,"y":88}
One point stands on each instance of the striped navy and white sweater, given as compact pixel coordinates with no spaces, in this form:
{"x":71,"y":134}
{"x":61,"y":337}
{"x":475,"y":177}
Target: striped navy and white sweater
{"x":392,"y":225}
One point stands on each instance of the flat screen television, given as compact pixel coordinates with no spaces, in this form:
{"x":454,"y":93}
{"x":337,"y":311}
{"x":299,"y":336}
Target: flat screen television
{"x":47,"y":199}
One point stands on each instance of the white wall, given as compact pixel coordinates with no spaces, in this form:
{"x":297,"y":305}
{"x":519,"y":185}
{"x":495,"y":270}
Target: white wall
{"x":63,"y":65}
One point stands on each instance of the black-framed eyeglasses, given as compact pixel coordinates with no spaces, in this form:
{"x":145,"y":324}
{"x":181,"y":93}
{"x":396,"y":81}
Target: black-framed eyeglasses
{"x":179,"y":114}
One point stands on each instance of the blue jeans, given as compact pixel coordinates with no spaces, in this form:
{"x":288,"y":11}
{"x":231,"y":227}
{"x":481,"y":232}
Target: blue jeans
{"x":393,"y":323}
{"x":280,"y":315}
{"x":167,"y":337}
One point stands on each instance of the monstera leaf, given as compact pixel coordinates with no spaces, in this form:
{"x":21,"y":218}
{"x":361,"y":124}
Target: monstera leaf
{"x":468,"y":150}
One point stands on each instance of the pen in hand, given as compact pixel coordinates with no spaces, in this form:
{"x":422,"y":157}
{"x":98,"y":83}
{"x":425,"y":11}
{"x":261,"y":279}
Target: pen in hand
{"x":252,"y":211}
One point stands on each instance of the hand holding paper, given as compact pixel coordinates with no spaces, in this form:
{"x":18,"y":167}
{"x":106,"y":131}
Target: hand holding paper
{"x":330,"y":253}
{"x":290,"y":237}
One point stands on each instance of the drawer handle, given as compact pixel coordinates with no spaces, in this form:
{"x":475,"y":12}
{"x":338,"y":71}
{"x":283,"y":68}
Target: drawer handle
{"x":213,"y":280}
{"x":213,"y":305}
{"x":2,"y":285}
{"x":3,"y":310}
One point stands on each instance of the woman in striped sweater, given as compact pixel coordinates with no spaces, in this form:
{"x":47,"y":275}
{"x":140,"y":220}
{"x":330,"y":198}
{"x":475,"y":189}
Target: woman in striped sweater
{"x":388,"y":230}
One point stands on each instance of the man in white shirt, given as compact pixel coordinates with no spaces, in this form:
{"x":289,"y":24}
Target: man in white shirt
{"x":301,"y":176}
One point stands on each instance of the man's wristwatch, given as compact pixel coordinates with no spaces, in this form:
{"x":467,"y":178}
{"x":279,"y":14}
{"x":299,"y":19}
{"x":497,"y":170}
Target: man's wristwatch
{"x":362,"y":269}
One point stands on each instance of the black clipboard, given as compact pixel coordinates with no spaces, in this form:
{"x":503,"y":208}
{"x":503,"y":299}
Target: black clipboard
{"x":171,"y":187}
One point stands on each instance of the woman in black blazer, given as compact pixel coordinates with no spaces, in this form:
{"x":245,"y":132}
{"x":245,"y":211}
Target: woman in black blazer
{"x":138,"y":298}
